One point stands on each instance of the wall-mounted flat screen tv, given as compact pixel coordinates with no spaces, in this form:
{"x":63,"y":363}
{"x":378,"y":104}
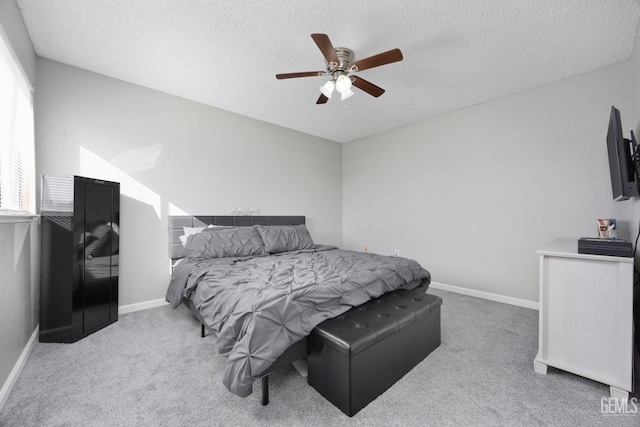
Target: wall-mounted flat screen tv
{"x":623,"y":160}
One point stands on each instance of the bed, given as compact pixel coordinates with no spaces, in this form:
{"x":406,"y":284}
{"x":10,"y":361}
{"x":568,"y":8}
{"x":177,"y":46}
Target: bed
{"x":261,"y":284}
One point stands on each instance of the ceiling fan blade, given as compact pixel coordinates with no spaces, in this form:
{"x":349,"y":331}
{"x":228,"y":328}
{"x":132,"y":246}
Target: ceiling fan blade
{"x":366,"y":86}
{"x":303,"y":74}
{"x":322,"y":100}
{"x":325,"y":46}
{"x":383,"y":58}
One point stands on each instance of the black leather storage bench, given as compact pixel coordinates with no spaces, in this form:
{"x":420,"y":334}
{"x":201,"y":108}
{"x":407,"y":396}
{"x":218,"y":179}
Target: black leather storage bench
{"x":355,"y":357}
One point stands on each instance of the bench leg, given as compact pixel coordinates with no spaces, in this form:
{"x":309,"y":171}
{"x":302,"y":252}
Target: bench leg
{"x":202,"y":334}
{"x":265,"y":390}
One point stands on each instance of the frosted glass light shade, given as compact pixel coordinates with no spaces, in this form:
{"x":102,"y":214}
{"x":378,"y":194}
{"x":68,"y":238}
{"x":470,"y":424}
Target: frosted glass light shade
{"x":343,"y":84}
{"x":346,"y":94}
{"x":327,"y":89}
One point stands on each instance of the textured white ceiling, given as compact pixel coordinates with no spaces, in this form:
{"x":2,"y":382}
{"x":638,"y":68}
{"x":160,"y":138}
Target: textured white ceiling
{"x":225,"y":53}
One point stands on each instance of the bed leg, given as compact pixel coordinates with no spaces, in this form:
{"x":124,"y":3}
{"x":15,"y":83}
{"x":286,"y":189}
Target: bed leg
{"x":202,"y":334}
{"x":265,"y":390}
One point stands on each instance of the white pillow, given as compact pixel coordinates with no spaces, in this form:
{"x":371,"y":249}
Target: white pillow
{"x":189,"y":231}
{"x":192,"y":230}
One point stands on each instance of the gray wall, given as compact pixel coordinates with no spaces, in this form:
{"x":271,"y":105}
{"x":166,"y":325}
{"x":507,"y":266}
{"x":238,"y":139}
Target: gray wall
{"x":171,"y":156}
{"x":473,"y":194}
{"x":19,"y":249}
{"x":632,"y":122}
{"x":18,"y":292}
{"x":13,"y":26}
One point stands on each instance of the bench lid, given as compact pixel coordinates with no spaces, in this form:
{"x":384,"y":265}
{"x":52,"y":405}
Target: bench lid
{"x":359,"y":328}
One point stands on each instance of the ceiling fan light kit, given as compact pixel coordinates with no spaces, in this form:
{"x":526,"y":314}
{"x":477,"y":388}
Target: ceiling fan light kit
{"x":341,"y":68}
{"x":343,"y":84}
{"x":327,"y":88}
{"x":347,"y":94}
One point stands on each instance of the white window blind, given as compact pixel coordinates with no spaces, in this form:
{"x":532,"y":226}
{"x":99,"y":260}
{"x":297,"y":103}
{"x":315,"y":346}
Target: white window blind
{"x":17,"y":159}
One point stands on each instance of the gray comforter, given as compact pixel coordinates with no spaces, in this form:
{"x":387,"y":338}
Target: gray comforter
{"x":259,"y":306}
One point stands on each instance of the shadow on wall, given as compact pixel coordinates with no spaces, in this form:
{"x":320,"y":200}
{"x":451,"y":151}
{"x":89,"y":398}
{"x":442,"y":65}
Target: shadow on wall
{"x":143,"y":222}
{"x":94,"y":166}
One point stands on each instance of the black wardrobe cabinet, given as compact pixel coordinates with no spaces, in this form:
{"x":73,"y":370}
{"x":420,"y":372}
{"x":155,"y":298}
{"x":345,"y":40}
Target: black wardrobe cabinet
{"x":80,"y":235}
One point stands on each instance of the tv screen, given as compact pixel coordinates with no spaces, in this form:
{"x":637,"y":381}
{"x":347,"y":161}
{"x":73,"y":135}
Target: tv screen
{"x":621,"y":164}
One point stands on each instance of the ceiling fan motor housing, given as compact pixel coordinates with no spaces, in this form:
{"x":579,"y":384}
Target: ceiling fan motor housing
{"x":345,"y":57}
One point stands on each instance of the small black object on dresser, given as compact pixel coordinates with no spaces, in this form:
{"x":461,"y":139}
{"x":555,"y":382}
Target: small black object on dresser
{"x":356,"y":356}
{"x":604,"y":246}
{"x":80,"y":220}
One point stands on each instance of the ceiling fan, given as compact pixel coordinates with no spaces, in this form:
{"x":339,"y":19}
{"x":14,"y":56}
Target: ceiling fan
{"x":341,"y":67}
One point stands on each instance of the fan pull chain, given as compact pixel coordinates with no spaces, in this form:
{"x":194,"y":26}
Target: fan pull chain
{"x":340,"y":108}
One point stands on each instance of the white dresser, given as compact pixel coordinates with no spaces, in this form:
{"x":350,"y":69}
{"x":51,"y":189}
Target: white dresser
{"x":586,"y":315}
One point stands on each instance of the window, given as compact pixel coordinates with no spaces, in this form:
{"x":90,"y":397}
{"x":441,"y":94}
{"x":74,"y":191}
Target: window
{"x":17,"y":159}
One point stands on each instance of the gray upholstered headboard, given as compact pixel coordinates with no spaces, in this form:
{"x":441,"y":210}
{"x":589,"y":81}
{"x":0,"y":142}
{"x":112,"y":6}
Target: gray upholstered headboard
{"x":176,"y":222}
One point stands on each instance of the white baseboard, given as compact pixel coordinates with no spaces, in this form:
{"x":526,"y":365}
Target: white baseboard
{"x":130,"y":308}
{"x":486,"y":295}
{"x":17,"y":368}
